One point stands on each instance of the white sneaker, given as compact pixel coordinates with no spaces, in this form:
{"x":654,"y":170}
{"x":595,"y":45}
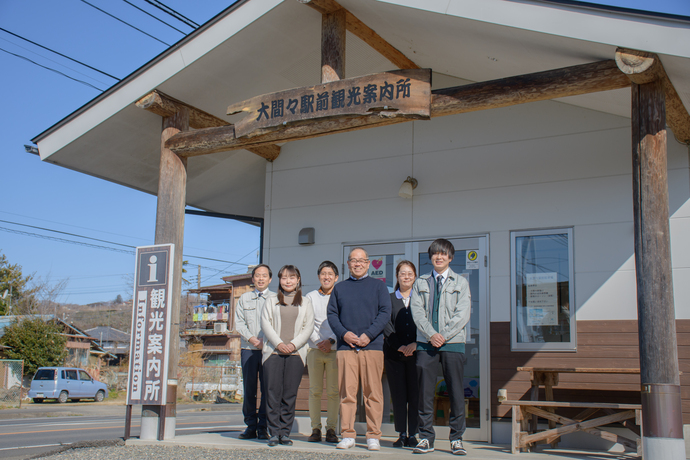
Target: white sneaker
{"x":346,"y":443}
{"x":373,"y":444}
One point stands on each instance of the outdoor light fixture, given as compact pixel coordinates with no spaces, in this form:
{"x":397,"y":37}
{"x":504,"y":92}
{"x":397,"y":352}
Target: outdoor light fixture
{"x":306,"y":236}
{"x":407,"y":187}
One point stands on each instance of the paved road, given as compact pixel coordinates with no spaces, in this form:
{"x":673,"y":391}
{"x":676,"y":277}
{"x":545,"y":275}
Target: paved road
{"x":40,"y":428}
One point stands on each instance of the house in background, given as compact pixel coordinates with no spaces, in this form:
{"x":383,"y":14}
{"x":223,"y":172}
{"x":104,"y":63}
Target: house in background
{"x":524,"y":162}
{"x":82,"y":349}
{"x":212,"y":331}
{"x":113,"y":341}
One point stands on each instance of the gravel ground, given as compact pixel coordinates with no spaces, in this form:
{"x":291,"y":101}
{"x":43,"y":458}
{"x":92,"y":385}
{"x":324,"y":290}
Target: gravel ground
{"x":116,"y":450}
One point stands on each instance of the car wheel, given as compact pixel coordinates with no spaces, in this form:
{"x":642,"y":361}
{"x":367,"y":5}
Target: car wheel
{"x":38,"y":400}
{"x":99,"y":396}
{"x":63,"y":397}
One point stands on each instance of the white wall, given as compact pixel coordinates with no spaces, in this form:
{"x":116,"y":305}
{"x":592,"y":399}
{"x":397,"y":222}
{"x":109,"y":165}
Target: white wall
{"x":538,"y":165}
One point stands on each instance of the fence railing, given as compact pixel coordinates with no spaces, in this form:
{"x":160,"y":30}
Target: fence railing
{"x":212,"y":383}
{"x":11,"y":371}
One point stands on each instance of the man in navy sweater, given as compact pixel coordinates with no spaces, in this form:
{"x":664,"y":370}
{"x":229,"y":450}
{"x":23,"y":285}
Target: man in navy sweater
{"x":358,"y":310}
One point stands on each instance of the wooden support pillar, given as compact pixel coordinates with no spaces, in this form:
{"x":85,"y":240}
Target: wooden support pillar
{"x":333,"y":33}
{"x":659,"y":376}
{"x":172,"y":191}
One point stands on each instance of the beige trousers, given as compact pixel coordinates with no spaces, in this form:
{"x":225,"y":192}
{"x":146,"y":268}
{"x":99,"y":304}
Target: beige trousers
{"x":367,"y":366}
{"x":319,"y":362}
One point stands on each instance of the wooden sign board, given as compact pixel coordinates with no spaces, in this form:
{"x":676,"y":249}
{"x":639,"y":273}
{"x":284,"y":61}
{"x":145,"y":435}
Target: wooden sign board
{"x":398,"y":93}
{"x":148,"y":356}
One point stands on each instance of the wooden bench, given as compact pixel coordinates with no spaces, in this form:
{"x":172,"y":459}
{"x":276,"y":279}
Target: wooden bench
{"x":523,"y":438}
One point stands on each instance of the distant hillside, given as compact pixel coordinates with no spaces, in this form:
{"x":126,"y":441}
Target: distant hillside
{"x":114,"y":315}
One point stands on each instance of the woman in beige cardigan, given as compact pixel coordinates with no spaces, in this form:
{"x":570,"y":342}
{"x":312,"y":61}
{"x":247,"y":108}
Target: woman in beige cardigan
{"x":287,"y":321}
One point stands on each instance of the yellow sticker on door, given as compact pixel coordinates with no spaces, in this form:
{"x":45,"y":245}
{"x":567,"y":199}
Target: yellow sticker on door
{"x":472,"y":260}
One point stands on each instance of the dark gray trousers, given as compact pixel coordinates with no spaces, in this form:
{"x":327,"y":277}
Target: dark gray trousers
{"x":452,"y":366}
{"x":283,"y":375}
{"x":252,"y":377}
{"x":403,"y":383}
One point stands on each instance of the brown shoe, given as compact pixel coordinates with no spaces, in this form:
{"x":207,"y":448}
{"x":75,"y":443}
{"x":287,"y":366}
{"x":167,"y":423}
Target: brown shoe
{"x":331,"y":436}
{"x":315,"y":435}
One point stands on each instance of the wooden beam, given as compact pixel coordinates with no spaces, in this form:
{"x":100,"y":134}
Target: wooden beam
{"x":333,"y":46}
{"x":642,"y":67}
{"x":569,"y":81}
{"x":212,"y":140}
{"x":166,"y":106}
{"x":364,"y":33}
{"x":540,"y":86}
{"x":161,"y":104}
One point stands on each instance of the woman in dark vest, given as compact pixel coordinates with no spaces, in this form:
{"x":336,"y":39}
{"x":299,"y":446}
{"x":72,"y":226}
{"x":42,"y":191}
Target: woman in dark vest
{"x":399,"y":351}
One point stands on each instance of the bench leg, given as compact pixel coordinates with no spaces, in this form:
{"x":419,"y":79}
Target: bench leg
{"x":515,"y":430}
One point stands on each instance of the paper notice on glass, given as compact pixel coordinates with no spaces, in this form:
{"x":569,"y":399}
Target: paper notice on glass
{"x":542,"y":299}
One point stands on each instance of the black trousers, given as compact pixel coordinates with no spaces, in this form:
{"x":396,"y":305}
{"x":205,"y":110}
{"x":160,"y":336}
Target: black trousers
{"x":402,"y":380}
{"x":283,"y":376}
{"x":452,"y":366}
{"x":252,"y":376}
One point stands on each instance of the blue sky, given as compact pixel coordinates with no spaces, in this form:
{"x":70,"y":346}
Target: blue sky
{"x":42,"y":195}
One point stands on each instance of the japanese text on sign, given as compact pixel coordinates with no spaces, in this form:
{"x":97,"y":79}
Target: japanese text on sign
{"x":150,"y":326}
{"x":397,"y":93}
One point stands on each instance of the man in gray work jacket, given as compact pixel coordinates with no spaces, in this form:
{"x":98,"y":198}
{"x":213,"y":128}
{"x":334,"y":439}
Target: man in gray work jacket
{"x":248,"y":325}
{"x":440,"y":305}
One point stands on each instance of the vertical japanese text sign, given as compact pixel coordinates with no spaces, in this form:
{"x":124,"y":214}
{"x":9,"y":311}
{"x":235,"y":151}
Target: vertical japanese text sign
{"x":148,"y":353}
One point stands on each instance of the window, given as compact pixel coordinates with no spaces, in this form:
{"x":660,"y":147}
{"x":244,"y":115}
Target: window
{"x":45,"y":374}
{"x":542,"y":294}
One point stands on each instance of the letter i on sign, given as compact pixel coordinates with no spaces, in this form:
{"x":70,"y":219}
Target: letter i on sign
{"x":153,"y":269}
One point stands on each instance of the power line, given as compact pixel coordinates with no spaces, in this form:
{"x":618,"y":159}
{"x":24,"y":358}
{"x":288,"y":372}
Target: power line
{"x":67,"y":233}
{"x":53,"y":61}
{"x":166,"y":9}
{"x":124,"y":22}
{"x":94,"y":239}
{"x":100,"y":231}
{"x":62,"y":240}
{"x":51,"y":69}
{"x":153,"y":16}
{"x":59,"y":54}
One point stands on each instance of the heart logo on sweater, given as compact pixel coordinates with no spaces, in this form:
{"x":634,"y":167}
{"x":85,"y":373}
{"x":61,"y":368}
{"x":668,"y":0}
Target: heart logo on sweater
{"x":377,"y":263}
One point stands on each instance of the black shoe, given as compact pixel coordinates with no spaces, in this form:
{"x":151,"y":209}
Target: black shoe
{"x":401,"y":442}
{"x":263,"y":433}
{"x":315,"y":436}
{"x":423,"y":446}
{"x":249,"y":433}
{"x":285,"y":440}
{"x":331,"y":436}
{"x":411,"y":442}
{"x":274,"y":441}
{"x":457,"y":448}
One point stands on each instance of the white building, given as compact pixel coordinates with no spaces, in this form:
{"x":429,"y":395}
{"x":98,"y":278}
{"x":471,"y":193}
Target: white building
{"x":538,"y":188}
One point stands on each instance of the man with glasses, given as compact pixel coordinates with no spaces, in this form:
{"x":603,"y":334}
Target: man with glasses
{"x":358,"y":311}
{"x":248,"y":325}
{"x":440,"y":305}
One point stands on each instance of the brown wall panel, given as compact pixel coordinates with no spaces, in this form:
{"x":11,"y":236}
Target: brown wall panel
{"x":608,"y":343}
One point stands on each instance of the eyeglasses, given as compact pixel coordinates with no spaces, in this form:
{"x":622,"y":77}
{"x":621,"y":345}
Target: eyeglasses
{"x":358,"y":261}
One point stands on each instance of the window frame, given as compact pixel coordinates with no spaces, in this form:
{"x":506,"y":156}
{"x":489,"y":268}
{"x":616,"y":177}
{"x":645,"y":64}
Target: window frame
{"x":570,"y":346}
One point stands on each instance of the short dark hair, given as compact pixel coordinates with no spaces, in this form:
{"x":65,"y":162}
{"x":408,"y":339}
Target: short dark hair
{"x":292,"y":270}
{"x":442,"y":246}
{"x":327,"y":264}
{"x":270,"y":273}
